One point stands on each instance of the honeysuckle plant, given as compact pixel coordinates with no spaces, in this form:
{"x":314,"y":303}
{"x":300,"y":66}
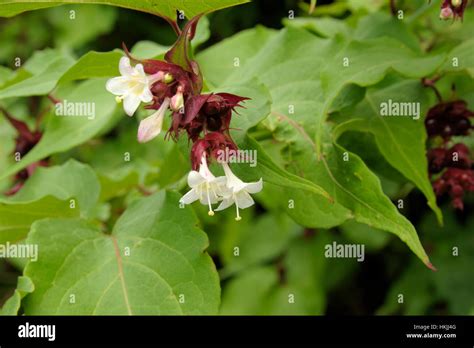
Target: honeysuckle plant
{"x":175,"y":85}
{"x":136,"y":214}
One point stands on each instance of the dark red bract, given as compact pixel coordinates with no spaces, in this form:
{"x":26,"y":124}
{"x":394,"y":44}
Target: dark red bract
{"x":455,"y":182}
{"x":24,"y":142}
{"x":448,"y":119}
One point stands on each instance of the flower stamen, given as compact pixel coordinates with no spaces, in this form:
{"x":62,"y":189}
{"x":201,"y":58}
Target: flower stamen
{"x":238,"y":217}
{"x":210,"y":212}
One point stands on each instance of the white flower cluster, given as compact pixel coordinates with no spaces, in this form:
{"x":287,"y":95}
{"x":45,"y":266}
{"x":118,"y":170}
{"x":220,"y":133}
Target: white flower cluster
{"x":228,"y":189}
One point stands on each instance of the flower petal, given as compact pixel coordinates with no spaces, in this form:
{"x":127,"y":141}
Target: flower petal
{"x":131,"y":104}
{"x":146,"y":96}
{"x":124,"y":67}
{"x":195,"y":179}
{"x":139,"y":70}
{"x":117,"y":85}
{"x":244,"y":200}
{"x":212,"y":198}
{"x":226,"y":203}
{"x":150,"y":127}
{"x":254,"y":187}
{"x":190,"y":197}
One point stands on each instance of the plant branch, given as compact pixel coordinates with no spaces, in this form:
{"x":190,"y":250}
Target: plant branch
{"x":393,"y":8}
{"x":431,"y":84}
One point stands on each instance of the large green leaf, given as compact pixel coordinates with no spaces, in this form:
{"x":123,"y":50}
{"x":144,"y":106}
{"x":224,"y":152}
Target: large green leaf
{"x":367,"y":62}
{"x":401,"y":139}
{"x":273,"y":174}
{"x":221,"y":60}
{"x":70,"y":180}
{"x":356,"y":188}
{"x":255,"y":110}
{"x":152,"y":263}
{"x":92,"y":65}
{"x":64,"y":132}
{"x":17,"y":217}
{"x":41,"y":83}
{"x":461,"y":58}
{"x":48,"y":194}
{"x":167,"y":8}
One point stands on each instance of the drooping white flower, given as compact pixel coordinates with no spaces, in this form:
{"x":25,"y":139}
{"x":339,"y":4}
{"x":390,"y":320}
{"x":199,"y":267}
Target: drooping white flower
{"x":238,"y":192}
{"x":205,"y":187}
{"x":151,"y":126}
{"x":133,"y":87}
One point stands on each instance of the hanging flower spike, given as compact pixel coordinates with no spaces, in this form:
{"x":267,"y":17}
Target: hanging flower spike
{"x":238,"y":192}
{"x":151,"y":126}
{"x":133,"y":87}
{"x":204,"y":186}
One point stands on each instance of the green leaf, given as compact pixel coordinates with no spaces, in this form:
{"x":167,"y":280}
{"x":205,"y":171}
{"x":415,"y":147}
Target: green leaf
{"x":167,"y":8}
{"x":273,"y":174}
{"x":17,"y":217}
{"x":88,"y":23}
{"x":117,"y":183}
{"x":252,"y":238}
{"x":254,"y":110}
{"x":356,"y":188}
{"x":461,"y":58}
{"x":367,"y":62}
{"x":246,"y":294}
{"x":400,"y":139}
{"x":70,"y":180}
{"x":294,"y":286}
{"x":12,"y":305}
{"x":5,"y":74}
{"x":64,"y":132}
{"x":219,"y":61}
{"x":148,"y":50}
{"x":381,"y":24}
{"x":92,"y":65}
{"x":327,"y":27}
{"x":154,"y":255}
{"x":41,"y":83}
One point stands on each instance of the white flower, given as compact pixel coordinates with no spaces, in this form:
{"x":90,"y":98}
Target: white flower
{"x":151,"y":126}
{"x":204,"y":186}
{"x":238,"y":192}
{"x":133,"y":87}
